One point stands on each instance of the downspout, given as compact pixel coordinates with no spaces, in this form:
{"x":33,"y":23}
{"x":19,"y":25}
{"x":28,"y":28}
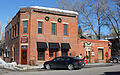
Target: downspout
{"x":29,"y":31}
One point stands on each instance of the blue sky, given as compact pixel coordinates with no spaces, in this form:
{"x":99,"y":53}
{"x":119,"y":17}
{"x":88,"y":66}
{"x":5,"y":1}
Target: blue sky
{"x":11,"y":7}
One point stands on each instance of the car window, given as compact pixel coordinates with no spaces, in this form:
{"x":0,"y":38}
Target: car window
{"x":57,"y":59}
{"x":66,"y":59}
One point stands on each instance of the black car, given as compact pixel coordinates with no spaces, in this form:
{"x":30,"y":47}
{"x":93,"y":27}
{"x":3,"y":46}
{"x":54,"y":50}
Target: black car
{"x":115,"y":59}
{"x":63,"y":62}
{"x":82,"y":61}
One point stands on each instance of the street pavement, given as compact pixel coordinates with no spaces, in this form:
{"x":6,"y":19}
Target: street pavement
{"x":107,"y":70}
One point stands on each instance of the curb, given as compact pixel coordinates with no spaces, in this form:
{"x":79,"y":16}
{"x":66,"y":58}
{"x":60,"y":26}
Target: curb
{"x":98,"y":65}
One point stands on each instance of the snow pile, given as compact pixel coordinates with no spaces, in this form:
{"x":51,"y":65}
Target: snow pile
{"x":7,"y":65}
{"x":55,"y":9}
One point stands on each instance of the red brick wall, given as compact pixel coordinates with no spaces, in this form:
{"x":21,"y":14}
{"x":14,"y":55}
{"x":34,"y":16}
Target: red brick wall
{"x":95,"y":45}
{"x":12,"y":42}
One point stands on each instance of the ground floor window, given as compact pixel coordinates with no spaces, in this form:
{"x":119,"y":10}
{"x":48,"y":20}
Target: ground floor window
{"x":64,"y":53}
{"x":100,"y":54}
{"x":53,"y":53}
{"x":41,"y":54}
{"x":50,"y":53}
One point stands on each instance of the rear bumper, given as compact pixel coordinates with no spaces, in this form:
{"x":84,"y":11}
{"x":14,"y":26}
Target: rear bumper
{"x":78,"y":65}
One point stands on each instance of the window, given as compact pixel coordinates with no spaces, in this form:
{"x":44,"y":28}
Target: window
{"x":41,"y":55}
{"x":25,"y":27}
{"x":50,"y":53}
{"x":15,"y":30}
{"x":100,"y":54}
{"x":18,"y":28}
{"x":24,"y":47}
{"x":65,"y":29}
{"x":64,"y":53}
{"x":53,"y":28}
{"x":10,"y":33}
{"x":39,"y":27}
{"x":7,"y":34}
{"x":0,"y":52}
{"x":57,"y":59}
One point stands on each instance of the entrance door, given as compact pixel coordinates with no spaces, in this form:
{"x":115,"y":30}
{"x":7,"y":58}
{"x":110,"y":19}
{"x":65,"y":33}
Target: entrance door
{"x":88,"y":55}
{"x":24,"y":55}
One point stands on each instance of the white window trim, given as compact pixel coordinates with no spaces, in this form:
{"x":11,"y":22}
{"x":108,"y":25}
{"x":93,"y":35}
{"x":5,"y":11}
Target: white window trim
{"x":53,"y":21}
{"x":40,"y":20}
{"x":24,"y":19}
{"x":24,"y":44}
{"x":65,"y":23}
{"x":100,"y":47}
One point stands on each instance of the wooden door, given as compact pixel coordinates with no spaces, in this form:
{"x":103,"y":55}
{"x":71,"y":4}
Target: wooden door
{"x":24,"y":55}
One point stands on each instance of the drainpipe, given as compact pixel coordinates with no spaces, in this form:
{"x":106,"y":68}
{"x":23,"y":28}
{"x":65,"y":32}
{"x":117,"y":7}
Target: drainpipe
{"x":29,"y":31}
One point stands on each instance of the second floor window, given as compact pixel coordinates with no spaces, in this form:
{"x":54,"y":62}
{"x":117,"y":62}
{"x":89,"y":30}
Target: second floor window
{"x":25,"y":26}
{"x":10,"y":33}
{"x":39,"y":27}
{"x":18,"y":28}
{"x":53,"y":28}
{"x":15,"y":30}
{"x":65,"y":29}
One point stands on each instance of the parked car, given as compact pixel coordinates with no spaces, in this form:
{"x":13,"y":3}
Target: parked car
{"x":115,"y":59}
{"x":63,"y":62}
{"x":82,"y":61}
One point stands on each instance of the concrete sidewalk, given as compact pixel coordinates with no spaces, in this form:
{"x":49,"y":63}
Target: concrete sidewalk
{"x":40,"y":66}
{"x":28,"y":67}
{"x":90,"y":65}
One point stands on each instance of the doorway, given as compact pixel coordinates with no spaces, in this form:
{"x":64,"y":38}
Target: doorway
{"x":24,"y":55}
{"x":88,"y":55}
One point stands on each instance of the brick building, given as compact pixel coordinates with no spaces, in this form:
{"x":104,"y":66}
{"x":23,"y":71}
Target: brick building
{"x":96,"y":50}
{"x":37,"y":34}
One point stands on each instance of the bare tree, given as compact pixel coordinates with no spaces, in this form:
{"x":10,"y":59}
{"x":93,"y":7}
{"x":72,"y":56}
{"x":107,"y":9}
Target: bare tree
{"x":91,"y":14}
{"x":113,"y":16}
{"x":117,"y":2}
{"x":65,"y":4}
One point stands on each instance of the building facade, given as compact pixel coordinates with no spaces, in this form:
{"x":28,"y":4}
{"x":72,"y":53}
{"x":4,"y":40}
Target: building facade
{"x":95,"y":50}
{"x":37,"y":34}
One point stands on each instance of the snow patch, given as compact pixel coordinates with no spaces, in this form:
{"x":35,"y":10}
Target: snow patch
{"x":55,"y":9}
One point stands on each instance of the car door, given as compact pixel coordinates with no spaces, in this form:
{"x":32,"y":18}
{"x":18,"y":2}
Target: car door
{"x":64,"y":62}
{"x":56,"y":63}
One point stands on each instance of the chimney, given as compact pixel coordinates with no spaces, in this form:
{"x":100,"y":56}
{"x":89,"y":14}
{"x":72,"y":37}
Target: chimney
{"x":7,"y":20}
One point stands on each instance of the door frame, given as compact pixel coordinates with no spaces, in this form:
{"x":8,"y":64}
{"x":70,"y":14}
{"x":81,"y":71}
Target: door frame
{"x":23,"y":50}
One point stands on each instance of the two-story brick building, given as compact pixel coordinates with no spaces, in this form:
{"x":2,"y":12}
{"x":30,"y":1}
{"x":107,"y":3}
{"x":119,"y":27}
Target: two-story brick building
{"x":39,"y":34}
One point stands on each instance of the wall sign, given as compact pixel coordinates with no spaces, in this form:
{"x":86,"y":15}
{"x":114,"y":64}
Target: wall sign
{"x":24,"y":39}
{"x":87,"y":44}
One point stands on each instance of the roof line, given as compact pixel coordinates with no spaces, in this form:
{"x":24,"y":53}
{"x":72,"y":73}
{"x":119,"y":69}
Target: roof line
{"x":94,"y":40}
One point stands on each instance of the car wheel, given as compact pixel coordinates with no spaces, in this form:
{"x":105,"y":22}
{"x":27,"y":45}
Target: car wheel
{"x":47,"y":66}
{"x":70,"y":67}
{"x":115,"y":61}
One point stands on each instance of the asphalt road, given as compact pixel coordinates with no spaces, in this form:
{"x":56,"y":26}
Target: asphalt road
{"x":109,"y":70}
